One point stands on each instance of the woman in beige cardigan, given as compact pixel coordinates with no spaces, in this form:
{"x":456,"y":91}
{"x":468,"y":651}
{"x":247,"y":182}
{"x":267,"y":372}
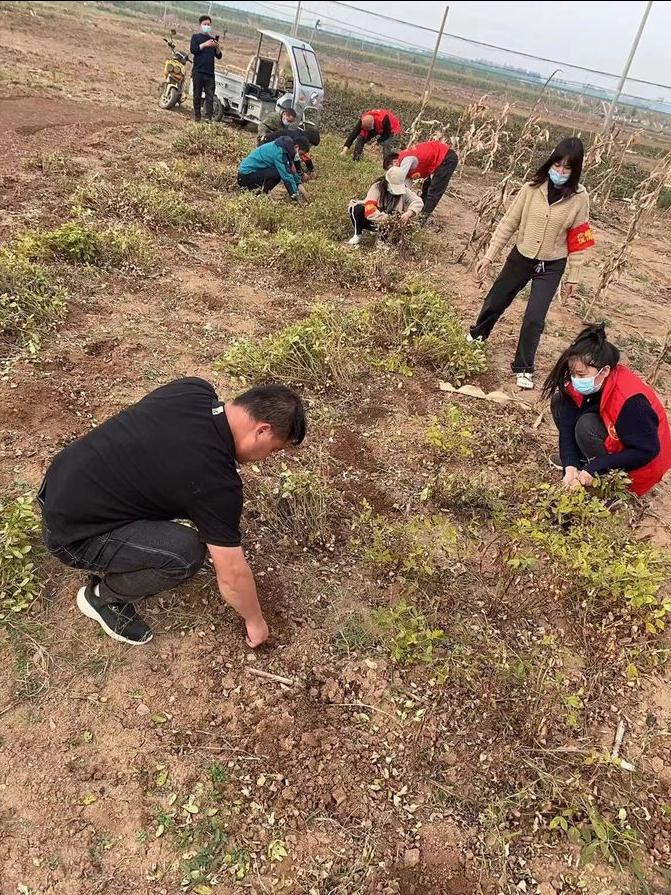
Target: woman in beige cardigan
{"x":550,"y":217}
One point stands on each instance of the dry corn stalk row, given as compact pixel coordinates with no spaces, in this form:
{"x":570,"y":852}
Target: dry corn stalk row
{"x":609,"y":153}
{"x":480,"y":131}
{"x":487,"y":214}
{"x":643,"y":202}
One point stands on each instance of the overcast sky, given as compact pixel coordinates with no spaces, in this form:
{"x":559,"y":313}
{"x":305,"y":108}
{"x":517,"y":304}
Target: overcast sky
{"x":592,"y":34}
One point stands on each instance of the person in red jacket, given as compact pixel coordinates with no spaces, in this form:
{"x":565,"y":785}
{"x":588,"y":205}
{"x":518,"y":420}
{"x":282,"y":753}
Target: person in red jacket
{"x":380,"y":123}
{"x":435,"y":162}
{"x":607,"y":417}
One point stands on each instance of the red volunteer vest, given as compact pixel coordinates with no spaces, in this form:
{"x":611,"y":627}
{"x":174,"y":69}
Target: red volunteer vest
{"x":620,"y":385}
{"x":378,"y":118}
{"x":429,"y":155}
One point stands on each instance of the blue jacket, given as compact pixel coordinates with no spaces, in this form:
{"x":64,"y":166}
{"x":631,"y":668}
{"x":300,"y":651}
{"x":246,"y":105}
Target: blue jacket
{"x":278,"y":155}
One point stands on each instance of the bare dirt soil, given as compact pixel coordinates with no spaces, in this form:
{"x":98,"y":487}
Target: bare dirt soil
{"x":351,"y":780}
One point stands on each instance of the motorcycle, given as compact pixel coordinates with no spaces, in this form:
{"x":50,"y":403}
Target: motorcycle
{"x":174,"y":87}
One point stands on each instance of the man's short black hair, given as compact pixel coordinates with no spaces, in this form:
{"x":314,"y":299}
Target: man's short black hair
{"x":278,"y":405}
{"x":292,"y":113}
{"x":204,"y":19}
{"x":389,"y":161}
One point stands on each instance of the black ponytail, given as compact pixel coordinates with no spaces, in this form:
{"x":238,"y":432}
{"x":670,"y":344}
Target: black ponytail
{"x":592,"y":347}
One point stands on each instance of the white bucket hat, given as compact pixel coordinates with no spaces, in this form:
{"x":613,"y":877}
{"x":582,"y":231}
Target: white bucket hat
{"x":395,"y":181}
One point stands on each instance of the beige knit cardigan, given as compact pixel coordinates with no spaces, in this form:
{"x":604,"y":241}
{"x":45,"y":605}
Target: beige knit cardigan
{"x":541,"y":228}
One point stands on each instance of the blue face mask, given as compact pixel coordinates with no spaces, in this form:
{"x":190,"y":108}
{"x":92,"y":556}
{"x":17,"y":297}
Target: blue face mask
{"x":557,"y":178}
{"x":206,"y":28}
{"x":585,"y":385}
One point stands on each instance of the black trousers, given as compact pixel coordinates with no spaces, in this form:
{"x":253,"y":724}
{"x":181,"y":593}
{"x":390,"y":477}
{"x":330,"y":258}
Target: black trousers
{"x":266,"y":179}
{"x":202,"y":82}
{"x":136,"y":560}
{"x":360,"y":142}
{"x":434,"y":186}
{"x":358,"y":214}
{"x":516,"y":273}
{"x":590,"y":432}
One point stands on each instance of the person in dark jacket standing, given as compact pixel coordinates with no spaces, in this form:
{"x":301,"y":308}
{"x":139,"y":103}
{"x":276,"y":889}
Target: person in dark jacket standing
{"x":204,"y":49}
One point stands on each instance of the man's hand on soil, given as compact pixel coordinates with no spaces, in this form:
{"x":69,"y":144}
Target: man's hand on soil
{"x":257,"y":632}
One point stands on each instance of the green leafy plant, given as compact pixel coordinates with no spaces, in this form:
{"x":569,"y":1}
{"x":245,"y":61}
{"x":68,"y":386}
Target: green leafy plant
{"x":218,"y":142}
{"x":298,"y":506}
{"x":120,"y":246}
{"x":450,"y":434}
{"x":249,"y":213}
{"x":415,"y":549}
{"x":19,"y":583}
{"x":320,"y":350}
{"x":157,"y":206}
{"x":421,"y":322}
{"x":309,"y":253}
{"x":591,"y":547}
{"x":613,"y":840}
{"x":406,"y":634}
{"x":30,"y":301}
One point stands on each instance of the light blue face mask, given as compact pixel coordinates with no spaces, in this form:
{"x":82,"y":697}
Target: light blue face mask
{"x":206,"y":28}
{"x":585,"y":385}
{"x":557,"y":178}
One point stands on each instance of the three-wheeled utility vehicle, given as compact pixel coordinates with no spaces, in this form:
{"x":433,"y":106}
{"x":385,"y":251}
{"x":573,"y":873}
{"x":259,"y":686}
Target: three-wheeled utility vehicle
{"x":269,"y":83}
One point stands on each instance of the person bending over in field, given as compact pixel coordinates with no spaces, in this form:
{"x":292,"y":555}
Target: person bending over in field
{"x":607,"y":417}
{"x":380,"y":123}
{"x":305,"y":140}
{"x":388,"y":196}
{"x":549,"y":218}
{"x":282,"y":121}
{"x":110,"y":499}
{"x":271,"y":163}
{"x":435,"y":162}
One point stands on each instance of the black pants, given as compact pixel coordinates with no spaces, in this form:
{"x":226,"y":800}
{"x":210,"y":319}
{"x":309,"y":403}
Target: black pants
{"x":266,"y":179}
{"x":358,"y":214}
{"x":136,"y":560}
{"x":434,"y":186}
{"x":202,"y":82}
{"x":360,"y":142}
{"x":517,"y":271}
{"x":590,"y":432}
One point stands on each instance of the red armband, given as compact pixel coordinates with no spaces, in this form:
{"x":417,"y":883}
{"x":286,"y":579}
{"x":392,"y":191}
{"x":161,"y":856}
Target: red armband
{"x":369,"y":207}
{"x":580,"y":238}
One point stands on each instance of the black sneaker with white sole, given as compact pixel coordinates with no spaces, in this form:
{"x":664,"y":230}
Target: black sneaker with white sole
{"x":119,"y":620}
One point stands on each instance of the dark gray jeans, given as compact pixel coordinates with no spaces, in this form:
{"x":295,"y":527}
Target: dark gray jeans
{"x":434,"y":186}
{"x":136,"y":560}
{"x":386,"y":145}
{"x":590,"y":432}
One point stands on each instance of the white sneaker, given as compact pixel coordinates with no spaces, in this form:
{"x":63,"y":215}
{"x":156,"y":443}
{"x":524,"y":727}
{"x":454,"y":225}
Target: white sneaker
{"x":355,"y":240}
{"x":525,"y":380}
{"x":470,"y":338}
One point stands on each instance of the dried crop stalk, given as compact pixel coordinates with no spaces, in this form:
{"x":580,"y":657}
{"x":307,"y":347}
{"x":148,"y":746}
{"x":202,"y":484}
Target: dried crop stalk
{"x":642,"y":203}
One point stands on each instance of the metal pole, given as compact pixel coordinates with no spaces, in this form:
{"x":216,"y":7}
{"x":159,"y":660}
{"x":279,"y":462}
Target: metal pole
{"x":315,"y":28}
{"x":427,"y":83}
{"x":165,"y":10}
{"x":611,"y":111}
{"x":209,"y":9}
{"x":294,"y":32}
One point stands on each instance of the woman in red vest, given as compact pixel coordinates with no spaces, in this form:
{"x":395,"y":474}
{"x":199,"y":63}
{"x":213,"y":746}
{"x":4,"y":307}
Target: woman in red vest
{"x":607,"y":417}
{"x":380,"y":123}
{"x":434,"y":162}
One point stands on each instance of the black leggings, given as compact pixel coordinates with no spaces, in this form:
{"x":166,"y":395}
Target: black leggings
{"x":545,"y":277}
{"x":590,"y":432}
{"x":358,"y":214}
{"x":434,"y":186}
